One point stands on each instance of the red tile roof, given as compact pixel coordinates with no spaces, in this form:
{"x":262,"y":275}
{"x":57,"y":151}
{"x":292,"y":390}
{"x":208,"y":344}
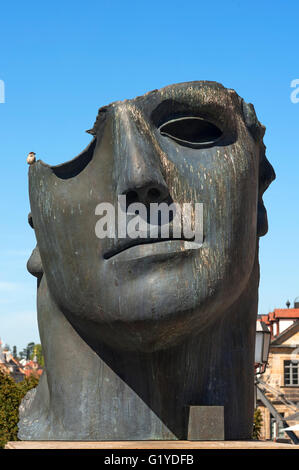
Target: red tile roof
{"x":281,"y":313}
{"x":286,"y":313}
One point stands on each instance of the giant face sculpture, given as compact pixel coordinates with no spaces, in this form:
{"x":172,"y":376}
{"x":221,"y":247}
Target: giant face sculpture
{"x":186,"y":143}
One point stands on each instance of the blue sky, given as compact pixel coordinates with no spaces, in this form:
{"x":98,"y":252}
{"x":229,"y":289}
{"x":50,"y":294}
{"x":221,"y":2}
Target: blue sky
{"x":61,"y":60}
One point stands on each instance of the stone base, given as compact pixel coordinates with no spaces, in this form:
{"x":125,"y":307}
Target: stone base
{"x":149,"y":445}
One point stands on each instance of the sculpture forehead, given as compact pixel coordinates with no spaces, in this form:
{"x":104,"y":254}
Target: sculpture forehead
{"x":199,"y":90}
{"x":189,"y":94}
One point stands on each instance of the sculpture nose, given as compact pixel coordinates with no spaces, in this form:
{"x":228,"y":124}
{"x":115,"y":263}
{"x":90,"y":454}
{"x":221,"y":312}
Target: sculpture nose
{"x":146,"y":194}
{"x":137,"y":161}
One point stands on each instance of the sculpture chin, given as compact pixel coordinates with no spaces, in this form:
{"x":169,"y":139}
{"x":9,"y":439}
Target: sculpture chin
{"x":146,"y":336}
{"x":141,"y":327}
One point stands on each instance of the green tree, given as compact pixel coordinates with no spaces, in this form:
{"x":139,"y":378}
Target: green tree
{"x":28,"y":383}
{"x":14,"y":352}
{"x":30,"y":348}
{"x":27,"y":352}
{"x":257,"y":424}
{"x":11,"y":394}
{"x":23,"y":354}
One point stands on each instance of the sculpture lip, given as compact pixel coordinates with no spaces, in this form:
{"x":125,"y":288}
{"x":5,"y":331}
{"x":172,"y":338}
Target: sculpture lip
{"x":141,"y":248}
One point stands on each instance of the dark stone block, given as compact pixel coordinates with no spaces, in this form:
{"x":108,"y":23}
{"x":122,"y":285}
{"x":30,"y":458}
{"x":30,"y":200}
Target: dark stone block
{"x":206,"y":423}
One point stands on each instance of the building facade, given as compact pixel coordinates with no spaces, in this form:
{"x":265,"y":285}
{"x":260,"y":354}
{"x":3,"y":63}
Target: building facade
{"x":280,"y":380}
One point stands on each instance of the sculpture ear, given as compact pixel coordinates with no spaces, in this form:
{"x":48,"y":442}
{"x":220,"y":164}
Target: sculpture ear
{"x":266,"y":171}
{"x":262,"y":219}
{"x":34,"y":264}
{"x":266,"y":176}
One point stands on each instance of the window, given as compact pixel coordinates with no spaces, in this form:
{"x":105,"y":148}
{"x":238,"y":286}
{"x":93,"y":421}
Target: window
{"x":291,"y":373}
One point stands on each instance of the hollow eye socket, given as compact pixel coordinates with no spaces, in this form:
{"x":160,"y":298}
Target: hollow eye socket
{"x":192,"y":132}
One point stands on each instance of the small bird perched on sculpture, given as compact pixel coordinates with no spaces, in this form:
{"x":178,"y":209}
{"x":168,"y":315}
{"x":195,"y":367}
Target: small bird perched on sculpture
{"x":31,"y":158}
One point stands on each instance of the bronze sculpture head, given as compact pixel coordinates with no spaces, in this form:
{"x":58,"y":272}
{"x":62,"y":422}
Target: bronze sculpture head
{"x":143,"y":310}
